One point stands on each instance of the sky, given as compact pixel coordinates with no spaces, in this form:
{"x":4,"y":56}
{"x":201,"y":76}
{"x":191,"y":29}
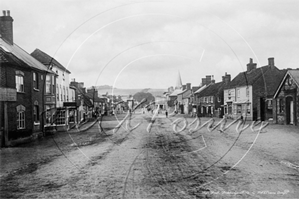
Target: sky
{"x":145,"y":43}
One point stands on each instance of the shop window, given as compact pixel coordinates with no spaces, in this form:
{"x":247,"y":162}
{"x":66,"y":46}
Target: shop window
{"x":61,"y":117}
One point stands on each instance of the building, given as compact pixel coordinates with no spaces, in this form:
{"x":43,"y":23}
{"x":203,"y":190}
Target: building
{"x":250,"y":93}
{"x":55,"y":106}
{"x":83,"y":102}
{"x":207,"y":80}
{"x":62,"y":78}
{"x":23,"y":79}
{"x":173,"y":93}
{"x":183,"y":99}
{"x":211,"y":98}
{"x":286,"y":99}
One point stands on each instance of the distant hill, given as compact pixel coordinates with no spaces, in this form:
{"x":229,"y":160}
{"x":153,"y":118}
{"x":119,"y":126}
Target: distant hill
{"x":103,"y":87}
{"x":126,"y":92}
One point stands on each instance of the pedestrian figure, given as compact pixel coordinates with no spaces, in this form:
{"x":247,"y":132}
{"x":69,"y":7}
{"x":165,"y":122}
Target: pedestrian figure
{"x":166,"y":113}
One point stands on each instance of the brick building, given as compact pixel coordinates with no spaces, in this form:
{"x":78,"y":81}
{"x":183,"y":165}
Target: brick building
{"x":250,"y":93}
{"x":25,"y":75}
{"x":211,"y":97}
{"x":286,"y":99}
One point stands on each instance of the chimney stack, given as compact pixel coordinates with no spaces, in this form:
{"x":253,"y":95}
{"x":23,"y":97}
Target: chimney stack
{"x":251,"y":65}
{"x":271,"y":61}
{"x":188,"y":86}
{"x":6,"y":27}
{"x":208,"y":79}
{"x":226,"y":78}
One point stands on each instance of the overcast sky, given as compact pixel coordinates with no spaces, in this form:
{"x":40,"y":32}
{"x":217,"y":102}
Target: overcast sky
{"x":143,"y":44}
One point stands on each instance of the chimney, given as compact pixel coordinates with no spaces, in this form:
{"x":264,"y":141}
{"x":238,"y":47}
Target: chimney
{"x":183,"y":87}
{"x":188,"y":86}
{"x":208,"y":79}
{"x":271,"y":61}
{"x":6,"y":27}
{"x":226,"y":78}
{"x":251,"y":65}
{"x":203,"y":81}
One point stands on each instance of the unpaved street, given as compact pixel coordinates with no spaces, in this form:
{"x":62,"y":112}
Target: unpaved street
{"x":159,"y":164}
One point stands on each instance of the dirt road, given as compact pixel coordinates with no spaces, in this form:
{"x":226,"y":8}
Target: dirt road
{"x":158,"y":164}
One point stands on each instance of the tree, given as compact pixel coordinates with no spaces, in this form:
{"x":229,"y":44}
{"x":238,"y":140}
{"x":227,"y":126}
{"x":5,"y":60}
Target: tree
{"x":141,"y":95}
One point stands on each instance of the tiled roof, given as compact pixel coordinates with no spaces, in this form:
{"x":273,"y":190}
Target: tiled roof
{"x":212,"y":89}
{"x":23,"y":56}
{"x":272,"y":79}
{"x":270,"y":75}
{"x":46,"y":59}
{"x":247,"y":78}
{"x":200,"y":89}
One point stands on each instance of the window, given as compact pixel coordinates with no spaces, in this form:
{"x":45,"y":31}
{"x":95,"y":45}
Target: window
{"x":19,"y":81}
{"x":237,"y":92}
{"x":281,"y":106}
{"x":35,"y":81}
{"x":247,"y":91}
{"x":20,"y":117}
{"x":36,"y":113}
{"x":239,"y":108}
{"x":269,"y":104}
{"x":48,"y":84}
{"x":61,"y":117}
{"x":211,"y":99}
{"x":53,"y":84}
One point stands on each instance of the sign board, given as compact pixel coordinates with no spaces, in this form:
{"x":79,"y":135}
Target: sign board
{"x":70,"y":104}
{"x":8,"y":94}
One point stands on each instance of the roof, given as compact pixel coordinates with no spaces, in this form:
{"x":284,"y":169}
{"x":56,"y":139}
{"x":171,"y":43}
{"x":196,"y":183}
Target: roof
{"x":212,"y":89}
{"x":247,"y":78}
{"x":47,"y":59}
{"x":195,"y":88}
{"x":201,"y":88}
{"x":176,"y":92}
{"x":294,"y":74}
{"x":22,"y":55}
{"x":95,"y":98}
{"x":86,"y":99}
{"x":271,"y":75}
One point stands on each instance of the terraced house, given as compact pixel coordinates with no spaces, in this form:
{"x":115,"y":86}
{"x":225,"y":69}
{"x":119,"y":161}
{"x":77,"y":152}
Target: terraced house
{"x":250,"y":94}
{"x":58,"y":95}
{"x":22,"y":87}
{"x":211,"y":98}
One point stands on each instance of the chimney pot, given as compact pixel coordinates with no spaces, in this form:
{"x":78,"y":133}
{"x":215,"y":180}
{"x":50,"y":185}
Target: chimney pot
{"x":4,"y":13}
{"x":251,"y":61}
{"x":8,"y":12}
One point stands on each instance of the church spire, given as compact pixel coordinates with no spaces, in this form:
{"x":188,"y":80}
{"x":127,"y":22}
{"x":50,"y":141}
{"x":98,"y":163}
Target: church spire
{"x":178,"y":82}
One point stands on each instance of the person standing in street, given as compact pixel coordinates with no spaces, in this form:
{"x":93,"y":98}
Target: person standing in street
{"x":166,"y":113}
